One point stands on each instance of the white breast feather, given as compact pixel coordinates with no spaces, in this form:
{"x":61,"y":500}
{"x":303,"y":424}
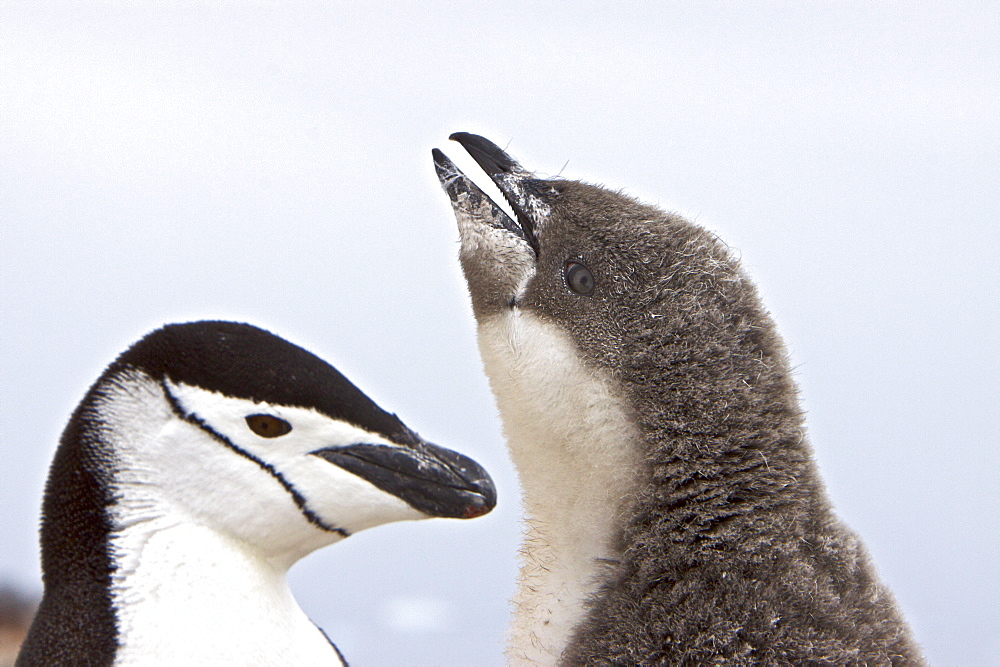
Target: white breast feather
{"x":186,"y":593}
{"x":575,"y":449}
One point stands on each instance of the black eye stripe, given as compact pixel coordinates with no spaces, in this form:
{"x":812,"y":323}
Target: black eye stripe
{"x":297,"y":497}
{"x":579,"y":278}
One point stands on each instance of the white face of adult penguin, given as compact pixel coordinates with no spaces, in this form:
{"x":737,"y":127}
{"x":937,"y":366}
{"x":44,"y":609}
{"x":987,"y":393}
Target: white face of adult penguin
{"x":204,"y":462}
{"x":674,"y":513}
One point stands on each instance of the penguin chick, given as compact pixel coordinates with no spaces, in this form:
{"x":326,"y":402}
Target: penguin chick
{"x":204,"y":462}
{"x":674,"y":513}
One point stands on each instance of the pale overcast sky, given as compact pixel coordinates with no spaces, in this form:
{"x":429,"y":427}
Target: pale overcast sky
{"x":270,"y":162}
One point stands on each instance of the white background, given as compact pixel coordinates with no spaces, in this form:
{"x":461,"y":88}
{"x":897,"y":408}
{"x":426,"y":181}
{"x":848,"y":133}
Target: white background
{"x":270,"y":162}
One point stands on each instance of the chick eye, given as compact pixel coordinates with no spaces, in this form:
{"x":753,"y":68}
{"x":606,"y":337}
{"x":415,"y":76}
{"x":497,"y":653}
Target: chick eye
{"x":579,"y":278}
{"x":267,"y":426}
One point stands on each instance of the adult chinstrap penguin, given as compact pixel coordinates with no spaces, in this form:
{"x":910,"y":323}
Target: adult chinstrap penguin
{"x":204,"y":462}
{"x":674,"y":512}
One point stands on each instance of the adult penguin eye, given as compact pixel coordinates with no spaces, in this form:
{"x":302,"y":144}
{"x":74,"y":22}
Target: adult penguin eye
{"x":579,"y":278}
{"x":267,"y":426}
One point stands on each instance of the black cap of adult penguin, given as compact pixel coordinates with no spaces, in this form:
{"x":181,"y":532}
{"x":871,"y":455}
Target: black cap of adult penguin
{"x":243,"y":360}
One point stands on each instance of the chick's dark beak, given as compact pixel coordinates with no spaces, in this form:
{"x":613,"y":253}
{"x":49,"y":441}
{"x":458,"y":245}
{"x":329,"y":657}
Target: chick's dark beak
{"x":527,"y":195}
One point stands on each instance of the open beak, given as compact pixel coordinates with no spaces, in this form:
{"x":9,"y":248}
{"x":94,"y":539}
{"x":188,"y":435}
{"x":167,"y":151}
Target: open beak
{"x":527,"y":195}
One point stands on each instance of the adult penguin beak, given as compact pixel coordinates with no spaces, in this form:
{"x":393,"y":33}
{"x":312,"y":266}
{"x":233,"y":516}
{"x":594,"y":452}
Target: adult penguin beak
{"x":436,"y":481}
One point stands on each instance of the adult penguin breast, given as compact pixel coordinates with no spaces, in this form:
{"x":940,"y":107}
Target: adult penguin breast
{"x":674,"y":513}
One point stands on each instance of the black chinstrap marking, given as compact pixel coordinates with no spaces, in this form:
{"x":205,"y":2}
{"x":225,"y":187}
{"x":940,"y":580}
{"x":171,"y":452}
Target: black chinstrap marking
{"x":300,"y":502}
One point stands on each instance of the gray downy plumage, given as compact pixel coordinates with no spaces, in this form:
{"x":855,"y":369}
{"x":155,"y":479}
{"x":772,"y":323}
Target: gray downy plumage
{"x":674,"y":512}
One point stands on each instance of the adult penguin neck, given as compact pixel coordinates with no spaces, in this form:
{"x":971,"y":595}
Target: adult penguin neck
{"x":190,"y":593}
